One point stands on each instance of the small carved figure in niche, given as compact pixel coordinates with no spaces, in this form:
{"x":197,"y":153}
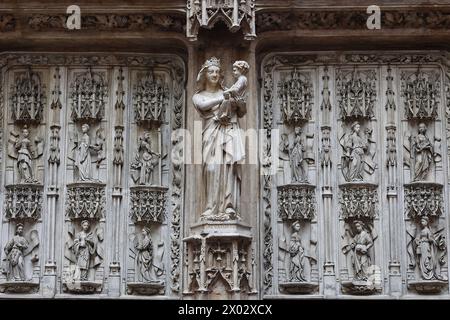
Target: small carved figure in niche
{"x":23,"y":150}
{"x":298,"y":155}
{"x":359,"y":245}
{"x":16,"y":250}
{"x":85,"y":251}
{"x":54,"y":151}
{"x":145,"y":161}
{"x":118,"y":147}
{"x":82,"y":153}
{"x":237,"y":92}
{"x":358,"y":153}
{"x":424,"y":246}
{"x":148,"y":261}
{"x":391,"y":148}
{"x":423,"y":153}
{"x":297,"y":253}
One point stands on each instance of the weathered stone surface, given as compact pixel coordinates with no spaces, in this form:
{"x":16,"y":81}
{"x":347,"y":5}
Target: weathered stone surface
{"x":333,"y":164}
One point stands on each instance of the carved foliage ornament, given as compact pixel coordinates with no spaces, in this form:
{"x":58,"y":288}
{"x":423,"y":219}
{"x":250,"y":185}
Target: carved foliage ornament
{"x":359,"y":202}
{"x":86,"y":201}
{"x":150,"y":99}
{"x":420,"y":93}
{"x":89,"y":94}
{"x":296,"y":95}
{"x":148,"y":204}
{"x":23,"y":202}
{"x":357,"y":93}
{"x":423,"y":200}
{"x":296,"y":202}
{"x":235,"y":14}
{"x":28,"y":98}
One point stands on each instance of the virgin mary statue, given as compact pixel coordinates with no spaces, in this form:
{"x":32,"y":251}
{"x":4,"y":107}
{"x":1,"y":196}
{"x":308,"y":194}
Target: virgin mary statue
{"x":222,"y":145}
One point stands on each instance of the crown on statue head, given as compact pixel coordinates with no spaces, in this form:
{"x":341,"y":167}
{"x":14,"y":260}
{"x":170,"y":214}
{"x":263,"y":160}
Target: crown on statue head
{"x":212,"y":62}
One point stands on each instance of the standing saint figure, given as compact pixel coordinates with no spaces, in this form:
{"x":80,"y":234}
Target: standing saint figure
{"x":359,"y":247}
{"x":144,"y":256}
{"x":298,"y":158}
{"x":222,"y":145}
{"x":355,"y":158}
{"x":426,"y":250}
{"x":15,"y":252}
{"x":83,"y":162}
{"x":297,"y":254}
{"x":422,"y":153}
{"x":145,"y":162}
{"x":84,"y":249}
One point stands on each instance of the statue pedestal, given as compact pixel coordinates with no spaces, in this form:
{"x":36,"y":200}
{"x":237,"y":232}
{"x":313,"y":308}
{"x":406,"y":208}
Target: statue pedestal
{"x":226,"y":229}
{"x":83,"y":287}
{"x":146,"y":288}
{"x":221,"y":260}
{"x":427,"y":287}
{"x":299,"y":287}
{"x":19,"y":287}
{"x":360,"y":287}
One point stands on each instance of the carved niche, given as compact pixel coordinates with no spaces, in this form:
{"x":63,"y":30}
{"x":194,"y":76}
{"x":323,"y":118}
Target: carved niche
{"x":296,"y":202}
{"x":358,"y":203}
{"x":84,"y":251}
{"x":235,"y":14}
{"x":89,"y":95}
{"x":147,"y":251}
{"x":356,"y":93}
{"x":358,"y":153}
{"x":28,"y":97}
{"x":150,"y":99}
{"x":19,"y":262}
{"x":420,"y":92}
{"x":426,"y":238}
{"x":296,"y":96}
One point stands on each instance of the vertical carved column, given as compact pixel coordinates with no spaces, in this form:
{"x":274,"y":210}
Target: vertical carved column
{"x":118,"y":162}
{"x":327,"y":189}
{"x":392,"y":189}
{"x":54,"y":160}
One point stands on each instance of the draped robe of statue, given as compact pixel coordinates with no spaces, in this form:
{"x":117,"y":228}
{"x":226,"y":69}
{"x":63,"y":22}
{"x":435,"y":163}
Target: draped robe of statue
{"x":423,"y":151}
{"x":222,"y":150}
{"x":83,"y":159}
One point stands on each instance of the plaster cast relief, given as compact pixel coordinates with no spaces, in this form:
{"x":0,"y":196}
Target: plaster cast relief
{"x":145,"y":162}
{"x":148,"y":204}
{"x":85,"y":201}
{"x":296,"y":202}
{"x":28,"y":97}
{"x":420,"y":154}
{"x":88,"y":94}
{"x":221,"y":168}
{"x":82,"y":151}
{"x":297,"y":255}
{"x":296,"y":95}
{"x":359,"y":150}
{"x":25,"y":151}
{"x":16,"y":249}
